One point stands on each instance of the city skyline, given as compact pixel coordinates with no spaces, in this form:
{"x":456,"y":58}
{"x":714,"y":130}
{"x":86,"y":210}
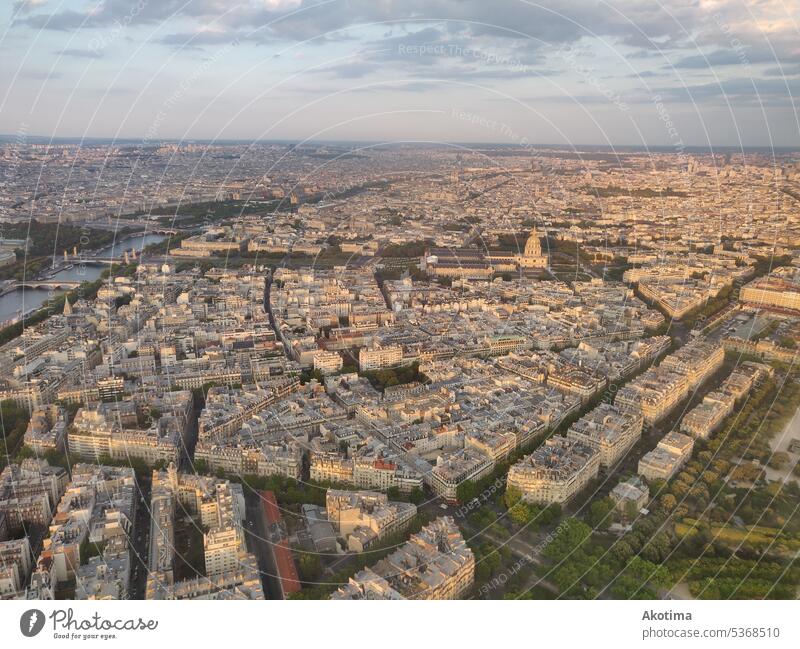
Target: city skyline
{"x":382,"y":300}
{"x":331,"y":363}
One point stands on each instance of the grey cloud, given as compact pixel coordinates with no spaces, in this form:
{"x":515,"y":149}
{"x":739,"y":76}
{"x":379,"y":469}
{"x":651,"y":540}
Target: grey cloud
{"x":565,"y":20}
{"x":185,"y":40}
{"x":401,"y":86}
{"x":62,"y":21}
{"x":783,"y":71}
{"x":743,"y":56}
{"x":123,"y":12}
{"x":522,"y":32}
{"x":645,"y":74}
{"x":79,"y":53}
{"x":739,"y":91}
{"x":525,"y":27}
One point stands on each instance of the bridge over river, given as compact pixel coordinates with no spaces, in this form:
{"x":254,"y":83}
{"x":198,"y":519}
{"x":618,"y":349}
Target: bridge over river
{"x":46,"y":284}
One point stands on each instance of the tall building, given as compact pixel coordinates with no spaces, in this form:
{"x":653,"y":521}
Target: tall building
{"x":16,"y":562}
{"x":231,"y":572}
{"x":453,"y":470}
{"x":378,"y":357}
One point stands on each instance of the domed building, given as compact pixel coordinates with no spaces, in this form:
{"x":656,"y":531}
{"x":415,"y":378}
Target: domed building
{"x":532,"y":257}
{"x":473,"y":263}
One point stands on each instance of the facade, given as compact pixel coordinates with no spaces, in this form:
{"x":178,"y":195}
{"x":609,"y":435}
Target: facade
{"x":609,"y":430}
{"x":532,"y":257}
{"x":697,"y":361}
{"x":453,"y":470}
{"x":667,"y":458}
{"x":283,"y":457}
{"x":378,"y":358}
{"x":331,"y":467}
{"x":435,"y":563}
{"x":16,"y":562}
{"x":328,"y":362}
{"x":660,"y":389}
{"x":29,"y":493}
{"x":231,"y":572}
{"x":706,"y":417}
{"x":221,"y":546}
{"x":555,"y":472}
{"x":780,"y":290}
{"x":365,"y":517}
{"x":655,"y":393}
{"x":382,"y":473}
{"x":47,"y":429}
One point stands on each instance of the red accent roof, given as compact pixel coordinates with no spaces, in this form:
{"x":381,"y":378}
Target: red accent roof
{"x":270,"y":505}
{"x":287,"y":571}
{"x":284,"y":560}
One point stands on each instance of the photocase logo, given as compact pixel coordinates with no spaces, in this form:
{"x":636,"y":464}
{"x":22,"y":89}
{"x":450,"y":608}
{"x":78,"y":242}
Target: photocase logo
{"x":31,"y":622}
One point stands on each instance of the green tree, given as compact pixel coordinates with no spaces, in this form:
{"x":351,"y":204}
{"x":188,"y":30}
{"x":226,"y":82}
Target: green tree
{"x":466,"y":491}
{"x":309,"y":567}
{"x":571,"y":535}
{"x":600,"y":513}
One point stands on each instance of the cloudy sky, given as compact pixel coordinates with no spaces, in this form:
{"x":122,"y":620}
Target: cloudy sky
{"x":674,"y":73}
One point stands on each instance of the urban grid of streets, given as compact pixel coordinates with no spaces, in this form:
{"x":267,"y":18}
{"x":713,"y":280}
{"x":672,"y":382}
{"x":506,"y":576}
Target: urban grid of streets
{"x":397,"y":372}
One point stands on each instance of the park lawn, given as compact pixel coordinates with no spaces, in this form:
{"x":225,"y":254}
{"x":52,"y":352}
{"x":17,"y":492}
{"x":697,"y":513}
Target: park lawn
{"x":758,"y":537}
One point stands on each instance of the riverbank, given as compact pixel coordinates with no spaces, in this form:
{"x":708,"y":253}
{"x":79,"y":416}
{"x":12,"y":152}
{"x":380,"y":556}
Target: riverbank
{"x":17,"y":305}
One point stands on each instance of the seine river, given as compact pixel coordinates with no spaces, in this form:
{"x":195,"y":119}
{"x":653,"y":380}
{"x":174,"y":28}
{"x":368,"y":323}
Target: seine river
{"x":23,"y":300}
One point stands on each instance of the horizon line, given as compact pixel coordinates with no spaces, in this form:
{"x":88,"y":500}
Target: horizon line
{"x":21,"y":139}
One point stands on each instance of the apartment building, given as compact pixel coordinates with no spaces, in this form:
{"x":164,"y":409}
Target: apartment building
{"x":667,"y":458}
{"x":377,"y":357}
{"x":454,"y":469}
{"x":655,"y":393}
{"x":16,"y":562}
{"x":435,"y":564}
{"x":555,"y":472}
{"x":609,"y":430}
{"x":331,"y":467}
{"x":780,"y":290}
{"x":706,"y":417}
{"x":697,"y":361}
{"x":47,"y":429}
{"x":382,"y":474}
{"x":124,"y":430}
{"x":328,"y":362}
{"x":365,"y":517}
{"x":29,"y":493}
